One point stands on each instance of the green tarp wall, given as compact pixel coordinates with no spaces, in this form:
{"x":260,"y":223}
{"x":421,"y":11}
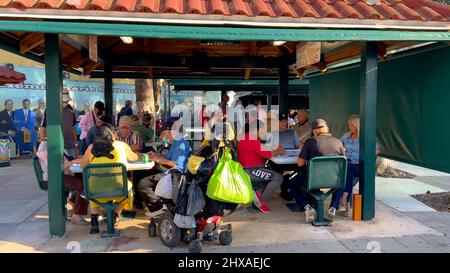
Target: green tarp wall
{"x":413,"y":111}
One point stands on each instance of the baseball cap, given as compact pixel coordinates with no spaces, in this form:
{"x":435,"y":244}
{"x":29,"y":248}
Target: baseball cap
{"x":282,"y":116}
{"x":319,"y":123}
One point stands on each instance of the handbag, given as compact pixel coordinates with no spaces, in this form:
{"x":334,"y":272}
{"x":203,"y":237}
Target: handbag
{"x":164,"y":187}
{"x":229,"y":182}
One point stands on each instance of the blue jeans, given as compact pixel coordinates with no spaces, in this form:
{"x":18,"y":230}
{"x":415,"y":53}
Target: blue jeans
{"x":352,"y":172}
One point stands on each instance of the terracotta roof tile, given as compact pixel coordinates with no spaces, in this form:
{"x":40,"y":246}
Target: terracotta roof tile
{"x":149,"y":6}
{"x":124,"y":5}
{"x":422,"y":10}
{"x":218,"y":7}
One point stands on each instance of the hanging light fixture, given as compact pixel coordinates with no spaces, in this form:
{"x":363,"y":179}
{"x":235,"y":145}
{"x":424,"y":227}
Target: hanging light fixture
{"x":278,"y":43}
{"x":127,"y":40}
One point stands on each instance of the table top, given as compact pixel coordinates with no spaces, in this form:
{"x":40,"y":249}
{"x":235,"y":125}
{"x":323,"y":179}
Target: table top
{"x":290,"y":157}
{"x":131,"y":166}
{"x":153,"y":144}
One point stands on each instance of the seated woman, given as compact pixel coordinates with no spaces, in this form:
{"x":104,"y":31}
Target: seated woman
{"x":351,"y":145}
{"x":71,"y":182}
{"x":106,"y":149}
{"x":252,"y":156}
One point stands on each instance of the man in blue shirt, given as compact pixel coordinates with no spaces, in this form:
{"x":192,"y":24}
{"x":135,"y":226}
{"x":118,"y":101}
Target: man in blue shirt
{"x":177,"y":157}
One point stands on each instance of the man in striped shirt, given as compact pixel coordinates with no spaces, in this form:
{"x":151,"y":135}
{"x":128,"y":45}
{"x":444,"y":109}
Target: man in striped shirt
{"x":130,"y":137}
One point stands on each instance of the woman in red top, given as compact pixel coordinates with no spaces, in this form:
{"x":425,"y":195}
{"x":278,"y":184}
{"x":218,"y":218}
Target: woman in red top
{"x":253,"y":156}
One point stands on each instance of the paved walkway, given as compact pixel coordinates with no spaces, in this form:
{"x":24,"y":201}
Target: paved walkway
{"x":402,"y":224}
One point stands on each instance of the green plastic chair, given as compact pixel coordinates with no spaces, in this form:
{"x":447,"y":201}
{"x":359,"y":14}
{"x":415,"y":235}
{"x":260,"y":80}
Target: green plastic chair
{"x":106,"y":181}
{"x":39,"y":174}
{"x":324,"y":172}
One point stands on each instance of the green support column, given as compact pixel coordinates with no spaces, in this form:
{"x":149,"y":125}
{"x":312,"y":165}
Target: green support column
{"x":109,"y":90}
{"x":54,"y":83}
{"x":283,"y":87}
{"x":368,"y":109}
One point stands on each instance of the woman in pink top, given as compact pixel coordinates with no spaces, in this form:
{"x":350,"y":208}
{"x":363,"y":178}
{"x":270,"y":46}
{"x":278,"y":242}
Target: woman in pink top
{"x":252,"y":156}
{"x":89,"y":119}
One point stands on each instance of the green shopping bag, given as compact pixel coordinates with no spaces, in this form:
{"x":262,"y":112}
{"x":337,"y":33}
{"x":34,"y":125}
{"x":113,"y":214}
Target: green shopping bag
{"x":229,"y":182}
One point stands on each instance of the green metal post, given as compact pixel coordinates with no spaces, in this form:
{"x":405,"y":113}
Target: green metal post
{"x":54,"y":83}
{"x":109,"y":90}
{"x":283,"y":87}
{"x":368,"y":111}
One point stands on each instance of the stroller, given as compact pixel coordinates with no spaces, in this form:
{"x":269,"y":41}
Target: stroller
{"x":206,"y":225}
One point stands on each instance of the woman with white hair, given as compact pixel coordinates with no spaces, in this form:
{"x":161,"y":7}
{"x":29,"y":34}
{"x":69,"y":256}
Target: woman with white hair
{"x":351,"y":144}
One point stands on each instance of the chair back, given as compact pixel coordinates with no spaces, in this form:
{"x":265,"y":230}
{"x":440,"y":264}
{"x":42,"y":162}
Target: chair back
{"x":327,"y":172}
{"x":105,"y":180}
{"x":39,"y":174}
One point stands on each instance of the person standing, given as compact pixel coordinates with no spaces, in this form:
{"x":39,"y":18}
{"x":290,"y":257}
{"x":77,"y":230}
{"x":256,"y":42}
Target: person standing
{"x":70,"y":136}
{"x":7,"y":120}
{"x":24,"y":121}
{"x":125,"y":111}
{"x":39,"y":111}
{"x":89,"y":120}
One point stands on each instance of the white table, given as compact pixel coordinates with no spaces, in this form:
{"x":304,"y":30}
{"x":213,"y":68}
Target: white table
{"x":131,"y":166}
{"x":195,"y":130}
{"x":289,"y":158}
{"x":154,"y":144}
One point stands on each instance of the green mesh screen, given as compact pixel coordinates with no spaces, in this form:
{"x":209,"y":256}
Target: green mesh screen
{"x":413,"y":123}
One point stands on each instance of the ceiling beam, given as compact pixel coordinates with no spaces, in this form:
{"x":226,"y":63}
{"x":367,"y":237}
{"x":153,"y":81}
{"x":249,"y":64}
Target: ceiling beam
{"x":30,"y":41}
{"x":251,"y":52}
{"x":184,"y":75}
{"x":148,"y":60}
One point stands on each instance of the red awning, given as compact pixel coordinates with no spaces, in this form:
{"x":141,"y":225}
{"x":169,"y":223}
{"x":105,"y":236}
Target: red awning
{"x":10,"y":76}
{"x":417,"y":10}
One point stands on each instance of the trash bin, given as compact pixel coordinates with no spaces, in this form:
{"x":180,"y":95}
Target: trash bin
{"x":5,"y":151}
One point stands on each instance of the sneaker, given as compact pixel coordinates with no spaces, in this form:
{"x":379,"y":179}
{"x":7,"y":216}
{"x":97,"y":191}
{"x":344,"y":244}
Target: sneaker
{"x":156,"y":212}
{"x":259,"y":203}
{"x":332,"y":213}
{"x":310,"y":214}
{"x":342,"y":208}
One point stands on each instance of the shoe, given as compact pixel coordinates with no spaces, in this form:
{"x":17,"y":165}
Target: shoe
{"x":342,"y":208}
{"x":259,"y":203}
{"x":156,"y":212}
{"x":94,"y":224}
{"x":82,"y":195}
{"x":310,"y":214}
{"x":332,"y":213}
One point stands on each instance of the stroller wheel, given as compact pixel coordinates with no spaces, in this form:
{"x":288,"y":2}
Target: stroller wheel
{"x":225,"y":238}
{"x":169,"y":233}
{"x":195,"y":246}
{"x":152,"y":230}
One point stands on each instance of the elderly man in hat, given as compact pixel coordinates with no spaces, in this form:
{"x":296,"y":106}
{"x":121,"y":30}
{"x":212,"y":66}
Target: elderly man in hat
{"x":68,"y":125}
{"x":322,"y":143}
{"x":127,"y":135}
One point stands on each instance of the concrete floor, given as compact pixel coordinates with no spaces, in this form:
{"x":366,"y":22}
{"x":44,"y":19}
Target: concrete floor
{"x":402,"y":224}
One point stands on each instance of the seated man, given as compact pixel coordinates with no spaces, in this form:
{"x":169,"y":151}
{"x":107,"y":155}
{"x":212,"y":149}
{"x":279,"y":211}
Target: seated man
{"x":177,"y":157}
{"x":303,"y":128}
{"x":127,"y":135}
{"x":321,"y":144}
{"x":252,"y":156}
{"x":289,"y":139}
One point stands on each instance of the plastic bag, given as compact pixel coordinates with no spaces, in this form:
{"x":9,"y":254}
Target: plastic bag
{"x":196,"y":200}
{"x":164,"y":187}
{"x":230,"y":183}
